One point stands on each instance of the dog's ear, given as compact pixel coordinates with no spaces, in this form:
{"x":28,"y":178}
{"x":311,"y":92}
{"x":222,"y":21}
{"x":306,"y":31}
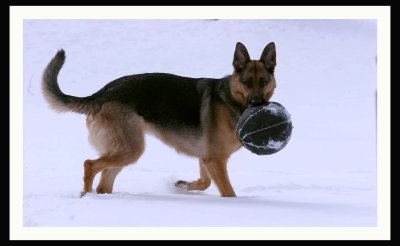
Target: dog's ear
{"x":241,"y":57}
{"x":268,"y":57}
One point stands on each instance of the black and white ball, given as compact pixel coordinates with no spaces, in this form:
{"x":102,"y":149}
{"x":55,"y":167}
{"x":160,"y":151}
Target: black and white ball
{"x":265,"y":129}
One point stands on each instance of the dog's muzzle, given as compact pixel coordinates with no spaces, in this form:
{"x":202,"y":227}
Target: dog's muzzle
{"x":255,"y":101}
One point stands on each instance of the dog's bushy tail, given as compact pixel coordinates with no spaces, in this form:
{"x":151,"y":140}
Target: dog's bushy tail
{"x":55,"y":97}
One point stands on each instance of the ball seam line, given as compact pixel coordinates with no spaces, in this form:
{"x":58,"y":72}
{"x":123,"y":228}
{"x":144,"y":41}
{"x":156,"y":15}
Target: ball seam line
{"x":265,"y":128}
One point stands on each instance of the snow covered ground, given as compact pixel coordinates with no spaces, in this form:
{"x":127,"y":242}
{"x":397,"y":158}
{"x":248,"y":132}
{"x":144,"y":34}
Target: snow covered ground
{"x":326,"y":77}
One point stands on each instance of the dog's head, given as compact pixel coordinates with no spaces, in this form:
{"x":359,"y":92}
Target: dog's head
{"x":253,"y":81}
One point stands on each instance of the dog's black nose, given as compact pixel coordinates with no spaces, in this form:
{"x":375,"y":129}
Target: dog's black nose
{"x":255,"y":101}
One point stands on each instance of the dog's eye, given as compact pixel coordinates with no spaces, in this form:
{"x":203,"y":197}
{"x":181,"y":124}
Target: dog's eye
{"x":262,"y":83}
{"x":248,"y":83}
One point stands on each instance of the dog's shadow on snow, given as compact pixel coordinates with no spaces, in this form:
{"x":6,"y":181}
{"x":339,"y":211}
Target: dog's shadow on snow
{"x":201,"y":198}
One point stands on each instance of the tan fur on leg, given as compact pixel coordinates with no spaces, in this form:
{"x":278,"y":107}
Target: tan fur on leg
{"x":219,"y":174}
{"x":117,"y":134}
{"x":201,"y":184}
{"x":108,"y":176}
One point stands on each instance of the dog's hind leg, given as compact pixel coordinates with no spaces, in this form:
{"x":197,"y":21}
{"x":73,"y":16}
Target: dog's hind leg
{"x":117,"y":133}
{"x":93,"y":167}
{"x":201,"y":184}
{"x":108,"y":176}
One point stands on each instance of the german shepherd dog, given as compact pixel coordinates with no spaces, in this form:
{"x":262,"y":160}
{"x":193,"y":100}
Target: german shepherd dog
{"x":196,"y":116}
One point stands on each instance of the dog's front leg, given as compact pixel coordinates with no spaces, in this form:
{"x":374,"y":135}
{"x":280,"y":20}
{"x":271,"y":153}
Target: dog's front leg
{"x":201,"y":184}
{"x":217,"y":169}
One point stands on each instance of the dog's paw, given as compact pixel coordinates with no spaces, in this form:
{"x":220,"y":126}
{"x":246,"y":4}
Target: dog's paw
{"x":83,"y":193}
{"x":182,"y":185}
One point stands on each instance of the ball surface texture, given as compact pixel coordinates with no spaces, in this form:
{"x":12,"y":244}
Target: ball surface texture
{"x":265,"y":129}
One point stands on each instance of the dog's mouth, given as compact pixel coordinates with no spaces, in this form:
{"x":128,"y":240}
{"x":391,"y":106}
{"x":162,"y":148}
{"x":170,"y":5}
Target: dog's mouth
{"x":250,"y":105}
{"x":252,"y":102}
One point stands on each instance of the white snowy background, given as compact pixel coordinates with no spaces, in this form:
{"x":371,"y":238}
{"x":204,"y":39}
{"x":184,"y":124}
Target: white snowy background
{"x":326,"y":79}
